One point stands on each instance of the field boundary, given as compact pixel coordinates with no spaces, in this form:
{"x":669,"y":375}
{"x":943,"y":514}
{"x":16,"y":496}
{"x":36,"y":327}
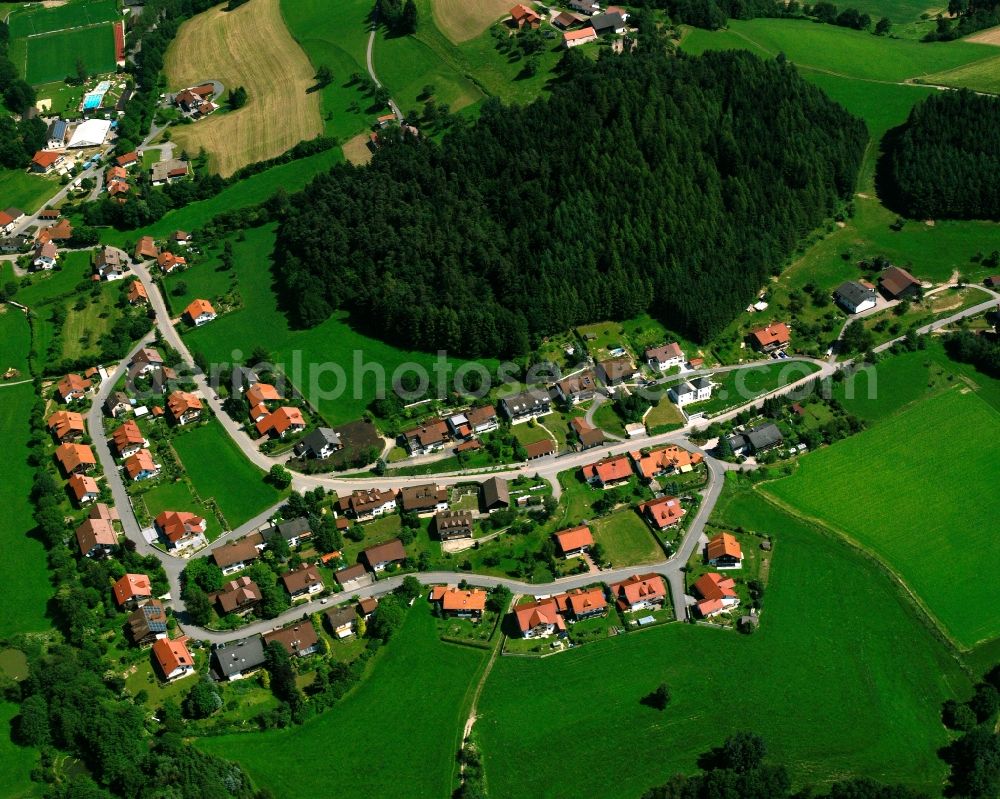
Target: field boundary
{"x":923,"y":613}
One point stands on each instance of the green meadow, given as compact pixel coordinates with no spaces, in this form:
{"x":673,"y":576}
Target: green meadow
{"x":313,"y":358}
{"x":23,"y":569}
{"x":981,"y":76}
{"x":219,"y":471}
{"x":26,"y":191}
{"x":839,"y":654}
{"x":917,"y":491}
{"x":15,"y":341}
{"x":16,"y":762}
{"x":253,"y":190}
{"x":396,"y":734}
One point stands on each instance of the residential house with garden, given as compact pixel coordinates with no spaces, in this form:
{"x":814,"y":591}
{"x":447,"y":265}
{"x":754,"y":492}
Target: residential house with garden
{"x":132,"y":590}
{"x":662,"y":513}
{"x":173,"y":659}
{"x":640,"y":592}
{"x":573,"y":541}
{"x":147,"y":624}
{"x":303,"y":582}
{"x":608,"y":472}
{"x":772,"y":338}
{"x":83,"y":488}
{"x":723,"y":551}
{"x":526,"y":405}
{"x":235,"y":660}
{"x":96,"y":538}
{"x":380,"y":557}
{"x":298,"y":640}
{"x":717,"y":593}
{"x":235,"y":556}
{"x":462,"y":603}
{"x":239,"y":597}
{"x":184,"y":407}
{"x":66,"y":426}
{"x":180,"y":529}
{"x":362,"y":505}
{"x":453,"y":524}
{"x":666,"y":357}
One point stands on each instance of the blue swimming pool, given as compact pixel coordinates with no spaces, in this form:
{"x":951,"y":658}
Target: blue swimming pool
{"x":94,"y":98}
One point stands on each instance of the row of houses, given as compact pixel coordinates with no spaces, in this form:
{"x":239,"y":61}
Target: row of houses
{"x":647,"y":464}
{"x":270,"y":419}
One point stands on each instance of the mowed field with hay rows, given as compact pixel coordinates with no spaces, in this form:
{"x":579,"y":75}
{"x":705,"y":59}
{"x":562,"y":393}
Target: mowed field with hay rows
{"x":249,"y":47}
{"x":917,"y":490}
{"x":461,"y":20}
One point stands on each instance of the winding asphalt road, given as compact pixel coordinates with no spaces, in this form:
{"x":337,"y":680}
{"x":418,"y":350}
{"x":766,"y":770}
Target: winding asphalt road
{"x":546,"y":468}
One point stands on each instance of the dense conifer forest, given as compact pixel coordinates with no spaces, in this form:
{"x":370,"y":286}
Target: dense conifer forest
{"x":674,"y":185}
{"x":946,"y":161}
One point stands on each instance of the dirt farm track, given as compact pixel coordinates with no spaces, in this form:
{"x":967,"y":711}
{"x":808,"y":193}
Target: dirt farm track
{"x":248,"y":47}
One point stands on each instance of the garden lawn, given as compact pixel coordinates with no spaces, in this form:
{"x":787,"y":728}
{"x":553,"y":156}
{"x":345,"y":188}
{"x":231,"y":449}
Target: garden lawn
{"x":310,"y":357}
{"x":55,"y":55}
{"x":665,"y":415}
{"x":416,"y":694}
{"x":917,"y":491}
{"x":26,"y":191}
{"x":834,"y":686}
{"x":626,"y":539}
{"x":74,"y":269}
{"x":83,"y":329}
{"x":739,"y":386}
{"x":219,"y":471}
{"x":16,"y":762}
{"x":23,"y":569}
{"x":253,"y":190}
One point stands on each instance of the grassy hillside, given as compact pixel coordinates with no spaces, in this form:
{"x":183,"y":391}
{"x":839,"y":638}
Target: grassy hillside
{"x":904,"y":489}
{"x":396,"y":735}
{"x":840,"y":679}
{"x":981,"y":76}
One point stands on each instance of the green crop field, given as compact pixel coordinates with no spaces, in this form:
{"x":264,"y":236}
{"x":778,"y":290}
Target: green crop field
{"x":253,"y":190}
{"x":53,"y":56}
{"x":926,"y":513}
{"x":219,"y":471}
{"x":23,"y":570}
{"x":26,"y":191}
{"x":15,"y":341}
{"x":626,"y":539}
{"x":312,"y":358}
{"x":416,"y":693}
{"x":839,"y":654}
{"x":36,"y":19}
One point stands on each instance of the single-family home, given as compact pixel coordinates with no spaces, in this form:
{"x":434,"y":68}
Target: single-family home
{"x":665,"y":357}
{"x":341,"y":621}
{"x":723,"y":551}
{"x":855,"y":296}
{"x":96,"y":537}
{"x":697,"y":390}
{"x":66,"y":426}
{"x":72,"y":387}
{"x":238,"y":597}
{"x":61,"y":230}
{"x":718,"y":594}
{"x":366,"y":607}
{"x":146,"y":248}
{"x":235,"y":556}
{"x":663,"y":512}
{"x":293,"y":531}
{"x":75,"y":458}
{"x":462,"y":603}
{"x":141,"y":466}
{"x":298,"y":640}
{"x":283,"y":420}
{"x":380,"y":557}
{"x":453,"y":524}
{"x":494,"y":494}
{"x":15,"y":215}
{"x":132,"y":590}
{"x":127,"y":159}
{"x":55,"y":136}
{"x":261,"y":393}
{"x":128,"y":439}
{"x":763,"y":438}
{"x":45,"y":161}
{"x":180,"y":528}
{"x":84,"y":488}
{"x":539,"y":619}
{"x":665,"y":460}
{"x":615,"y":371}
{"x":354,"y":577}
{"x":303,"y":582}
{"x":577,"y":388}
{"x":526,"y":405}
{"x":608,"y":472}
{"x":184,"y":407}
{"x":173,"y":658}
{"x":235,"y":660}
{"x":898,"y":284}
{"x":588,"y":435}
{"x":429,"y":437}
{"x":609,"y":22}
{"x":147,"y":623}
{"x":117,"y":404}
{"x":145,"y":361}
{"x":109,"y":264}
{"x":45,"y":256}
{"x":368,"y":504}
{"x":137,"y":294}
{"x":587,"y":7}
{"x":181,"y":237}
{"x":168,"y":171}
{"x":640,"y":592}
{"x":200,"y":312}
{"x":574,"y":541}
{"x":523,"y":17}
{"x":584,"y":603}
{"x":320,"y":443}
{"x":168,"y":262}
{"x":6,"y":223}
{"x":772,"y":338}
{"x":482,"y":419}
